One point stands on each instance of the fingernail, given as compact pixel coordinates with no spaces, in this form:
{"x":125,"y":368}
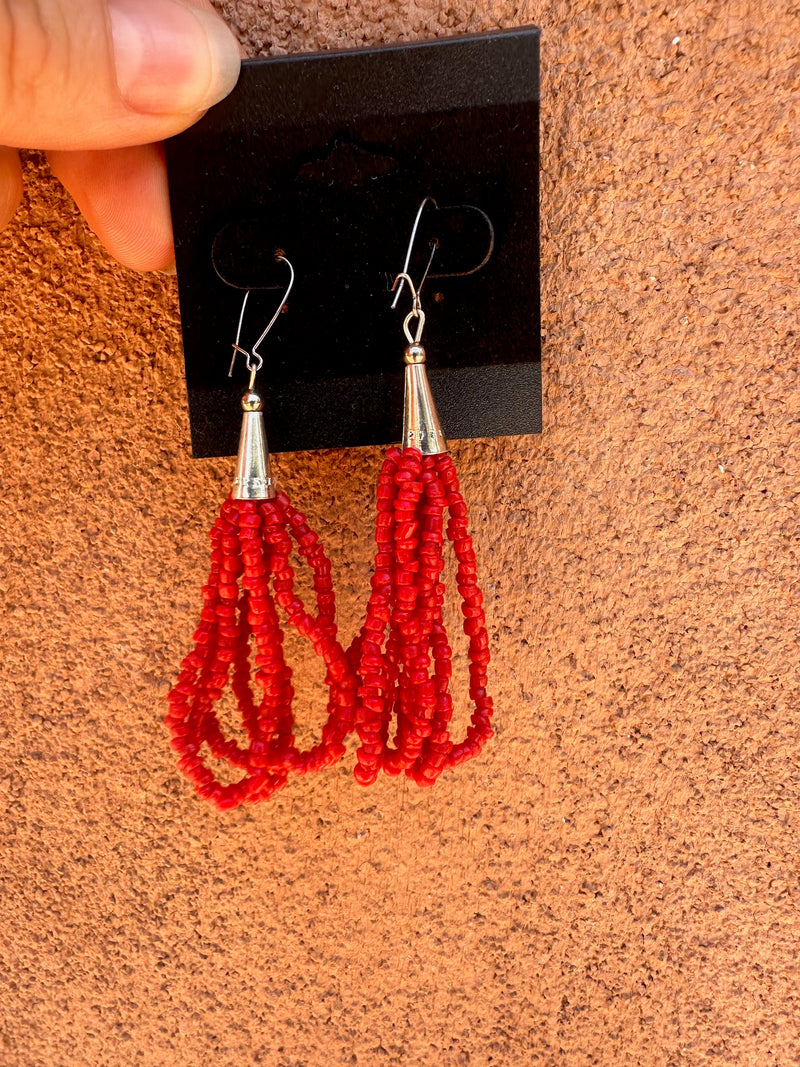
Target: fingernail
{"x":171,"y":58}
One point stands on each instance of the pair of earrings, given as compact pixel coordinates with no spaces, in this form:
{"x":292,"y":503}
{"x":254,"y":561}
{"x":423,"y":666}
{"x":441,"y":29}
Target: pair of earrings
{"x":398,"y":668}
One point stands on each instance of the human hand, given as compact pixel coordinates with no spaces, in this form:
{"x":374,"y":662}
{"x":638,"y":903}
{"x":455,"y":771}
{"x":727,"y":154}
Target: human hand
{"x":97,"y":84}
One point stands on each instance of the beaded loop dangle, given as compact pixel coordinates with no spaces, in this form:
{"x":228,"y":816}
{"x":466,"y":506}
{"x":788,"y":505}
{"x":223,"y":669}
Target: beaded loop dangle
{"x":251,"y":578}
{"x":403,"y":655}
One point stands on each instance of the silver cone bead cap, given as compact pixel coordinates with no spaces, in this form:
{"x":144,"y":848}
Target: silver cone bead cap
{"x":253,"y":479}
{"x":421,"y":426}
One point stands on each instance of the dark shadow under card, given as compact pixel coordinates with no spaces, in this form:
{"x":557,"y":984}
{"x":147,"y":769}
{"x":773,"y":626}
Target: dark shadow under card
{"x":327,"y":157}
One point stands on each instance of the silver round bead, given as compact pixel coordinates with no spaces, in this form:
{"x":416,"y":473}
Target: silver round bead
{"x":252,"y":402}
{"x":414,"y":354}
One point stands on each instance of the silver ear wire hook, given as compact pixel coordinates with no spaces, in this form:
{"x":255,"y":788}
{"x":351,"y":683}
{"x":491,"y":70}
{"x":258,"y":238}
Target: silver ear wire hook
{"x":236,"y":348}
{"x":253,"y":358}
{"x":404,"y":272}
{"x":416,"y":311}
{"x":280,"y":258}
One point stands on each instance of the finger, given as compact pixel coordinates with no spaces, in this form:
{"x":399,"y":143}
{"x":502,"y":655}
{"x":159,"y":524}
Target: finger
{"x":10,"y":184}
{"x":109,"y":73}
{"x":122,"y":193}
{"x":206,"y":5}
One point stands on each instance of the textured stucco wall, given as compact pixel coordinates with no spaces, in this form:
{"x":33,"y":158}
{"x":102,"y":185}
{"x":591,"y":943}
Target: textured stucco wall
{"x":616,"y":881}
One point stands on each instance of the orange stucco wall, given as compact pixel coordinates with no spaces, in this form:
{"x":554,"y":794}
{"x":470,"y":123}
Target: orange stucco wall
{"x":616,"y":881}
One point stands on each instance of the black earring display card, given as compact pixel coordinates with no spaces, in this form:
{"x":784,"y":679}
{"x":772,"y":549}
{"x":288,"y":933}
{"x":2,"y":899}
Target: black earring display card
{"x":327,"y":159}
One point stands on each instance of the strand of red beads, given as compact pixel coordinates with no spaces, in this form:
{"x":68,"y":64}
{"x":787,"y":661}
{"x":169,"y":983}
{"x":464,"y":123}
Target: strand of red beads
{"x":403,"y":653}
{"x":250,"y":578}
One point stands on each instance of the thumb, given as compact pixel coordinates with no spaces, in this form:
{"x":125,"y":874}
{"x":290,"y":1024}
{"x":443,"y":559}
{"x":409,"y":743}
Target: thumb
{"x":109,"y":73}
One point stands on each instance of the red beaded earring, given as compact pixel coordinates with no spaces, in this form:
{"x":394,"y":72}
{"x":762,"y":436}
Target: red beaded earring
{"x":250,"y":579}
{"x":404,"y":635}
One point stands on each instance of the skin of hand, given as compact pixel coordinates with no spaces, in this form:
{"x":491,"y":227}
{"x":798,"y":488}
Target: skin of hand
{"x":98,"y":84}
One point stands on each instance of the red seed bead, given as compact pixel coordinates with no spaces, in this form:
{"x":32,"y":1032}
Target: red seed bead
{"x":365,"y":775}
